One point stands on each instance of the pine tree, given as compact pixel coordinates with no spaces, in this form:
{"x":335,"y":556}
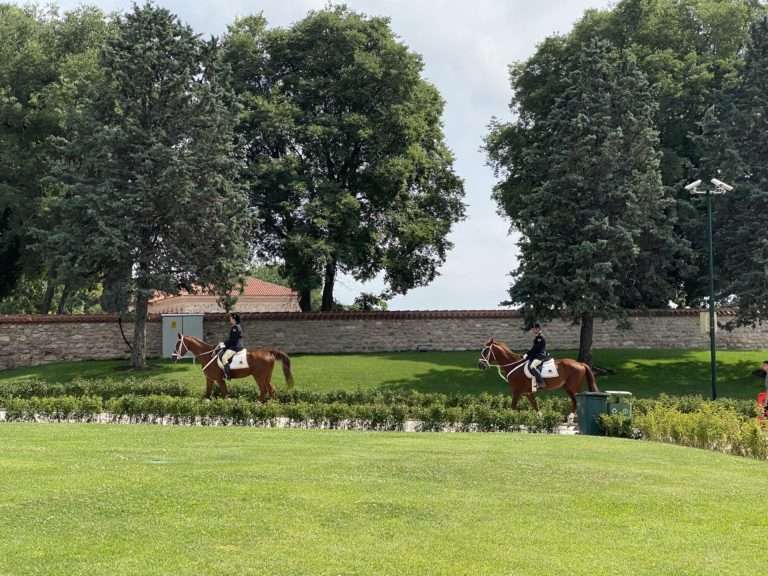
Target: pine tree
{"x":147,"y":177}
{"x":735,"y":138}
{"x":583,"y":187}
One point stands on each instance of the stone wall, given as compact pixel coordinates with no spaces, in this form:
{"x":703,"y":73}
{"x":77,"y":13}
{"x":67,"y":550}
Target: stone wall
{"x":31,"y":340}
{"x":468,"y":330}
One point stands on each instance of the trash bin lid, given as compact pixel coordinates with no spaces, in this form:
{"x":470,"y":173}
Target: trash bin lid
{"x":618,"y":393}
{"x":592,"y":394}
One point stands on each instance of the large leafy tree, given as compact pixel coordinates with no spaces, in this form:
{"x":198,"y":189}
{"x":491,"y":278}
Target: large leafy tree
{"x":735,"y":140}
{"x":146,"y":179}
{"x":581,"y":182}
{"x":44,"y":57}
{"x":347,"y":165}
{"x":690,"y":50}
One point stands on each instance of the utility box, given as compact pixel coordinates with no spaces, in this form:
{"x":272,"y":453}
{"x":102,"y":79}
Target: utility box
{"x":589,"y":407}
{"x":619,"y":403}
{"x":175,"y":324}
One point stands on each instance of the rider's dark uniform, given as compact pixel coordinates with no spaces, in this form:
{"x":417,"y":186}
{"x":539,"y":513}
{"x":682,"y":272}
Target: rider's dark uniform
{"x":233,"y":342}
{"x":537,"y":352}
{"x":235,"y":339}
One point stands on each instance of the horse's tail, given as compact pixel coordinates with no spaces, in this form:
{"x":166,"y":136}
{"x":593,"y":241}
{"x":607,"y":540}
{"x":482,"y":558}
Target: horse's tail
{"x":591,"y":379}
{"x":286,"y":366}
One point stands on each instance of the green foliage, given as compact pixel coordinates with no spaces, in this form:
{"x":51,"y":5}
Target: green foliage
{"x":46,"y":59}
{"x":146,"y":175}
{"x":734,"y":138}
{"x":690,"y":50}
{"x":581,"y":183}
{"x":347,"y":167}
{"x":711,"y":427}
{"x":616,"y":425}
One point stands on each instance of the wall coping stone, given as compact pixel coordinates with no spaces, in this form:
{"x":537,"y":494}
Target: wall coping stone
{"x":300,"y":316}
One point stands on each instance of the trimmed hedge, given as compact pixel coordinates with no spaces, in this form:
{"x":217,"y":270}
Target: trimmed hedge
{"x":724,"y":425}
{"x":712,"y":426}
{"x":188,"y":410}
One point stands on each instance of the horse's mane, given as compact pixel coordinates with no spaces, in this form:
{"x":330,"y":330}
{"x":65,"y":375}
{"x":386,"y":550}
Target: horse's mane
{"x":506,"y":349}
{"x":198,"y":341}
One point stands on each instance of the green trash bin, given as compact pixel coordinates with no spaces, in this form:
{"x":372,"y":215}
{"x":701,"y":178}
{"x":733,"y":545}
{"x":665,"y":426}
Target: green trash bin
{"x":589,"y":407}
{"x":619,"y":403}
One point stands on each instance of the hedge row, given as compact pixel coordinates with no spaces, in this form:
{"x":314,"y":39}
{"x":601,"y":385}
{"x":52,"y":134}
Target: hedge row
{"x":108,"y":389}
{"x":555,"y":402}
{"x":712,"y":426}
{"x":189,"y":410}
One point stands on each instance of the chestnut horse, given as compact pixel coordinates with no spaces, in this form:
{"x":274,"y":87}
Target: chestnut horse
{"x":260,"y":365}
{"x":510,"y":365}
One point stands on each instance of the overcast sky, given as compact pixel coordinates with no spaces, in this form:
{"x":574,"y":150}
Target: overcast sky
{"x":466,"y":46}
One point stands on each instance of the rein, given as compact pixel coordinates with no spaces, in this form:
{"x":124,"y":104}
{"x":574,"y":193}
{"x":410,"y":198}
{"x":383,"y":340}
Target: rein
{"x":181,"y":354}
{"x":487,"y":355}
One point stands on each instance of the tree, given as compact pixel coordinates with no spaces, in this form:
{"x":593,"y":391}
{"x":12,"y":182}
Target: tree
{"x":146,"y":179}
{"x":39,"y":49}
{"x":581,"y":183}
{"x":690,"y":50}
{"x":347,"y":167}
{"x":735,"y":139}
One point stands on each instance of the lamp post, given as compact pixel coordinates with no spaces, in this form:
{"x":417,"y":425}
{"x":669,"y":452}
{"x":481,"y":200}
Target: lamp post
{"x":719,"y":188}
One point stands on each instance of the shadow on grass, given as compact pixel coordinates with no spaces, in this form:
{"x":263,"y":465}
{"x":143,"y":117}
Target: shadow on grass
{"x":59,"y":372}
{"x":645,"y":373}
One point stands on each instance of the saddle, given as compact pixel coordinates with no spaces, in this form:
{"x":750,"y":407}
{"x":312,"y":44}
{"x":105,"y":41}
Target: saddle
{"x":548,"y":369}
{"x":239,"y":360}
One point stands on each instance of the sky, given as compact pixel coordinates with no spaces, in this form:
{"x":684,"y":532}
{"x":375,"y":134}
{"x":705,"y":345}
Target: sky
{"x":467,"y":46}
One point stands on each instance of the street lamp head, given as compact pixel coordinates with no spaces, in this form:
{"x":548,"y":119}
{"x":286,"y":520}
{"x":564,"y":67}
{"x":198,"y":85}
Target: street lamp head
{"x":722,"y":185}
{"x":693,"y":185}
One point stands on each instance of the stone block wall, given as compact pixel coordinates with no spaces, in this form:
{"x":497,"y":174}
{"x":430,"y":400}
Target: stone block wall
{"x":32,"y":340}
{"x":468,"y":330}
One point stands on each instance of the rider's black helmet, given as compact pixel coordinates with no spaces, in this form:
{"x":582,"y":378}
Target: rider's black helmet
{"x":236,"y":316}
{"x":536,"y":325}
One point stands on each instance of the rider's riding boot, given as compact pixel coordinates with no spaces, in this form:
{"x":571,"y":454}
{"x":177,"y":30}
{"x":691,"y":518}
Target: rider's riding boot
{"x":539,"y":379}
{"x":226,"y":371}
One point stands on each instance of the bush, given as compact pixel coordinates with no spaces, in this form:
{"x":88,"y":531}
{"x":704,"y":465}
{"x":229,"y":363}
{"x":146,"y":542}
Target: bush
{"x":713,"y":426}
{"x":616,"y":425}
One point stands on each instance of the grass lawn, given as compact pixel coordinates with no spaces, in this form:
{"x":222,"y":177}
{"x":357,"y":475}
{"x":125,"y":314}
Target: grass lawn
{"x":646,"y":373}
{"x":126,"y":500}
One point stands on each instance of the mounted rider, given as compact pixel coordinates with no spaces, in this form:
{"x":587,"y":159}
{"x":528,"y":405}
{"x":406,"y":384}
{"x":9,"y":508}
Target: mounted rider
{"x":233,"y":343}
{"x":536,"y":355}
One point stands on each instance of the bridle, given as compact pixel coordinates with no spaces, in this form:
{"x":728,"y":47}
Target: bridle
{"x":488,"y":359}
{"x":179,"y":354}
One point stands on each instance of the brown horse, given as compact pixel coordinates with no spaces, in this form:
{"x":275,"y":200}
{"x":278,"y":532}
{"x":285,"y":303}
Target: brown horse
{"x":260,"y":366}
{"x":510,"y":365}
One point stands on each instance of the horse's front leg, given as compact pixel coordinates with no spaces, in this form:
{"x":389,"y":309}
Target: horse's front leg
{"x":515,"y":399}
{"x":208,"y":388}
{"x":532,"y":399}
{"x":223,"y":387}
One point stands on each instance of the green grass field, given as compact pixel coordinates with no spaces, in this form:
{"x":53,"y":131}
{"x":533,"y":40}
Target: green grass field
{"x":126,"y":500}
{"x":646,"y":373}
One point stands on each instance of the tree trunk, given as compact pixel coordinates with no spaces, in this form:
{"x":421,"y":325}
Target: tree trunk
{"x":305,"y":300}
{"x":65,"y":294}
{"x":585,"y":338}
{"x":139,"y":354}
{"x":330,"y":278}
{"x":50,"y":290}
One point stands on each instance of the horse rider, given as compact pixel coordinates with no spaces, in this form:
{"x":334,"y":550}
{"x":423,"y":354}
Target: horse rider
{"x":233,"y":344}
{"x":536,"y":355}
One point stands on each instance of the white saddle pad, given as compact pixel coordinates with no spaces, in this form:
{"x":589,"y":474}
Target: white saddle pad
{"x":548,"y":369}
{"x":239,"y":361}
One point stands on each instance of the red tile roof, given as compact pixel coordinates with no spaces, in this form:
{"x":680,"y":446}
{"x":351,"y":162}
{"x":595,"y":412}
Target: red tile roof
{"x":256,"y":287}
{"x":253,"y":287}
